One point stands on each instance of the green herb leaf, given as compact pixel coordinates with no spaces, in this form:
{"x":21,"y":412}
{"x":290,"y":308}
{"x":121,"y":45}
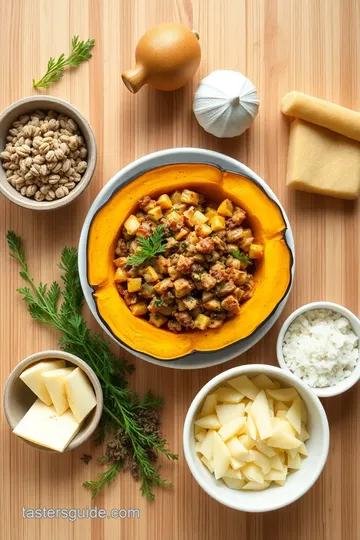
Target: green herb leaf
{"x":80,"y":52}
{"x":237,"y":254}
{"x":150,"y":247}
{"x":125,"y":415}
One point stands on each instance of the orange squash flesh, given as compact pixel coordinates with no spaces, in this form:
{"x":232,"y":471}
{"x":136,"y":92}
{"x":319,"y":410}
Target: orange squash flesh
{"x":272,"y":276}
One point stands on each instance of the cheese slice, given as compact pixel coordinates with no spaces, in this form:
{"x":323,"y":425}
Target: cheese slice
{"x":55,"y":383}
{"x":42,"y":425}
{"x":80,"y":394}
{"x":33,"y":379}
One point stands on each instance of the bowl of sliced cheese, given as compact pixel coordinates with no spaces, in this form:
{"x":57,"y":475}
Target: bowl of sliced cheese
{"x":256,"y":438}
{"x":53,"y":401}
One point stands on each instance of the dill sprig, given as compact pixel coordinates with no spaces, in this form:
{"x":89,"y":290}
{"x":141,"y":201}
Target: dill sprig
{"x":150,"y":247}
{"x":124,"y":412}
{"x":80,"y":51}
{"x":237,"y":254}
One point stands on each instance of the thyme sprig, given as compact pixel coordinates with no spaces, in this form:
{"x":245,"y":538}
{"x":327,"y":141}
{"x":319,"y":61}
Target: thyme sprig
{"x":124,"y":412}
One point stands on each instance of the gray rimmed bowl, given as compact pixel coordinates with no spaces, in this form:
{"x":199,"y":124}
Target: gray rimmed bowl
{"x":46,"y":103}
{"x":194,"y":360}
{"x":18,"y":398}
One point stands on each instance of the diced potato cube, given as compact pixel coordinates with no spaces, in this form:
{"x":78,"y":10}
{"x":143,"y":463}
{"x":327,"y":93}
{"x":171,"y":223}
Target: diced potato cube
{"x":247,"y":233}
{"x":283,"y":394}
{"x":208,"y":422}
{"x":236,"y":463}
{"x":203,"y":230}
{"x":262,"y":382}
{"x":157,"y":319}
{"x":209,"y":405}
{"x":259,"y":459}
{"x":256,"y":251}
{"x":255,"y":486}
{"x":120,"y":261}
{"x":134,"y":284}
{"x":120,"y":275}
{"x":192,"y":238}
{"x":207,"y":445}
{"x":294,"y":462}
{"x":199,"y":218}
{"x":207,"y":463}
{"x":138,"y":309}
{"x":221,"y":460}
{"x":161,"y":264}
{"x":261,"y":413}
{"x":246,"y":387}
{"x":232,"y":428}
{"x":228,"y":395}
{"x":253,"y":473}
{"x":237,"y":449}
{"x":201,"y":321}
{"x":189,"y":197}
{"x":206,"y":296}
{"x":181,"y":234}
{"x":175,"y":197}
{"x":217,"y":223}
{"x":226,"y":208}
{"x":175,"y":217}
{"x":155,"y":213}
{"x":132,"y":224}
{"x":233,"y":483}
{"x":213,"y":305}
{"x":265,"y":449}
{"x":150,"y":275}
{"x":180,"y":208}
{"x":210,"y":212}
{"x":200,"y":436}
{"x":164,"y":202}
{"x":147,"y":290}
{"x":229,"y":411}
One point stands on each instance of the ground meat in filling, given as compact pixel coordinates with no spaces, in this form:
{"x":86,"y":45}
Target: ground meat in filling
{"x":186,"y":263}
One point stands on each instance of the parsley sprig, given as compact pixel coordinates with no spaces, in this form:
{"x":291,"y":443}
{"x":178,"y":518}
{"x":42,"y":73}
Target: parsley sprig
{"x":80,"y":51}
{"x":237,"y":254}
{"x":124,"y":412}
{"x":150,"y":247}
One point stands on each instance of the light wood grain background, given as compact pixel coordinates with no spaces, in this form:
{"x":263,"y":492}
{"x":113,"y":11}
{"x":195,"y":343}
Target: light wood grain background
{"x":281,"y":45}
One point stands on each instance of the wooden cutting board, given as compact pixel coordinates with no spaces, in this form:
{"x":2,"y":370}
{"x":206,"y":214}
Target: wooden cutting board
{"x":281,"y":45}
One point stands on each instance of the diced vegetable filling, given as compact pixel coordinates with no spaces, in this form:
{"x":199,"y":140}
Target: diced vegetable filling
{"x":185,"y":263}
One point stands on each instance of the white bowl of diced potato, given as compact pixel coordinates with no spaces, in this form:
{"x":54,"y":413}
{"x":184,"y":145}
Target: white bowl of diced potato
{"x":256,"y":438}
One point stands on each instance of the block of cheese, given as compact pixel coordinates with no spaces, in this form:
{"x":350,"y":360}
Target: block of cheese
{"x":55,"y":383}
{"x":321,"y":161}
{"x":42,"y":425}
{"x":323,"y":113}
{"x":80,"y":394}
{"x":33,"y":379}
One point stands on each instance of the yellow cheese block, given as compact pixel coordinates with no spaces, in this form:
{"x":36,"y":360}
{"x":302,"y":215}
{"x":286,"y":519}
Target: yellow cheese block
{"x":42,"y":425}
{"x":33,"y":379}
{"x":55,"y":383}
{"x":80,"y":394}
{"x":324,"y":162}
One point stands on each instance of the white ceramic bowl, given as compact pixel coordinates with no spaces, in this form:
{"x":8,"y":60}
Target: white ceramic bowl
{"x":355,"y":323}
{"x":152,"y":161}
{"x":297,"y":483}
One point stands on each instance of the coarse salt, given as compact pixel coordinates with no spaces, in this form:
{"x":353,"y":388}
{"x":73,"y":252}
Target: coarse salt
{"x":321,"y":348}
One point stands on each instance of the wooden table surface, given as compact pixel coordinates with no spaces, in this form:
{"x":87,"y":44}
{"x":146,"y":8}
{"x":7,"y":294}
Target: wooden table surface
{"x":281,"y":45}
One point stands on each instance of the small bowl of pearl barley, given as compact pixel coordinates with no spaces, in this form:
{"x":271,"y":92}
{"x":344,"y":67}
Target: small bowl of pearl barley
{"x":47,"y":153}
{"x":319,"y":343}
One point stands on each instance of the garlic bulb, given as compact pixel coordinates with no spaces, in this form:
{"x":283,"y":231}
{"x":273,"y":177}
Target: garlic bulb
{"x":225,"y":103}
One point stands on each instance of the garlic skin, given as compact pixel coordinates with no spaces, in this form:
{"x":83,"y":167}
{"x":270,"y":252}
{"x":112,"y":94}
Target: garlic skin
{"x":225,"y":103}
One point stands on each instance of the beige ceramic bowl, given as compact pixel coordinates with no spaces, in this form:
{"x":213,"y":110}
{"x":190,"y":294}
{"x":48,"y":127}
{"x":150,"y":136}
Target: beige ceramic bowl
{"x":46,"y":103}
{"x":18,"y":398}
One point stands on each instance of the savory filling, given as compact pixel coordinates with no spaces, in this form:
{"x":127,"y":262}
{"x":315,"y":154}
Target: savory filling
{"x":186,"y":263}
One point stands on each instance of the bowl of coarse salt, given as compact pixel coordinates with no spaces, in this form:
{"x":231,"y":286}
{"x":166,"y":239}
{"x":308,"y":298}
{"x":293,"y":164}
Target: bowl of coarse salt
{"x":319,"y":343}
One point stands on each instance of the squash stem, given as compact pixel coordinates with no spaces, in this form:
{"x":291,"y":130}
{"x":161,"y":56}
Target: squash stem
{"x":134,"y":78}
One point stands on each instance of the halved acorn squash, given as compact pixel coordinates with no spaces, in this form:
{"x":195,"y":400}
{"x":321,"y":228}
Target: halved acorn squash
{"x":272,"y":276}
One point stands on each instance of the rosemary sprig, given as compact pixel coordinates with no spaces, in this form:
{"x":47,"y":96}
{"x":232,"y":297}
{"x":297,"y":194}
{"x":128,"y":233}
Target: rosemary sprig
{"x":132,"y":422}
{"x":237,"y":254}
{"x":150,"y":247}
{"x":80,"y":51}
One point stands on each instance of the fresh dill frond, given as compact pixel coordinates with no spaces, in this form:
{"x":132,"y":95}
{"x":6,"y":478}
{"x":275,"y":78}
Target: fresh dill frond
{"x":150,"y":247}
{"x":80,"y":52}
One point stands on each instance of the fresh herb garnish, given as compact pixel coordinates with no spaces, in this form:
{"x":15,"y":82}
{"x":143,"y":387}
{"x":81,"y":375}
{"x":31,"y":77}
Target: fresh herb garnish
{"x":80,"y":51}
{"x":237,"y":254}
{"x":183,"y":246}
{"x":150,"y":247}
{"x":133,"y":423}
{"x":158,"y":302}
